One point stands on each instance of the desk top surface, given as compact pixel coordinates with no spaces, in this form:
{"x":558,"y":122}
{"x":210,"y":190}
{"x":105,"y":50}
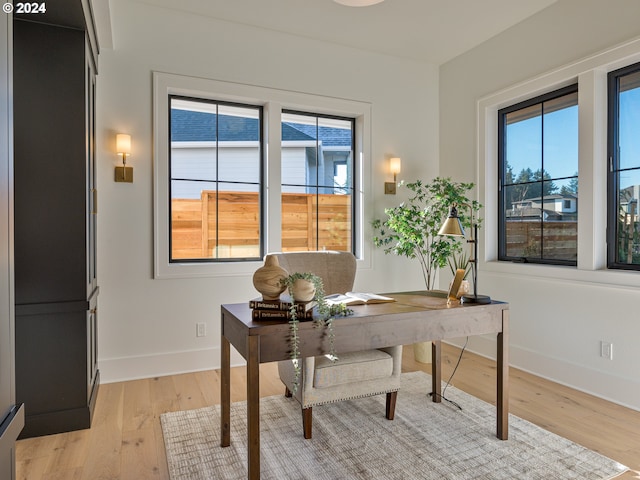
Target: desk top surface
{"x":416,"y":302}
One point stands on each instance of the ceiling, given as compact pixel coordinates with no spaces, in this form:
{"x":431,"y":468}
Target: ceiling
{"x":432,"y":31}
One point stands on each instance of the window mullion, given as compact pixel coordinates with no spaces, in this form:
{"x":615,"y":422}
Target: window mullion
{"x":272,"y":174}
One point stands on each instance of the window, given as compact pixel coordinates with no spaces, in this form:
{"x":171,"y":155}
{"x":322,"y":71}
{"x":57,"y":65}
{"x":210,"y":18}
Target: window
{"x":317,"y":182}
{"x":242,"y":170}
{"x":538,"y":179}
{"x":215,"y":163}
{"x":623,"y":232}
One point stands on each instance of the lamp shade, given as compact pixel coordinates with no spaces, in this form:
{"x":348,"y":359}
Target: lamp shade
{"x":452,"y":225}
{"x":395,"y":165}
{"x":123,"y":144}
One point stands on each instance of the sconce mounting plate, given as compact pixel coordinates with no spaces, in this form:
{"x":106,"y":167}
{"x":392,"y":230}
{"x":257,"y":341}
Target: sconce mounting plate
{"x":124,"y":174}
{"x":390,"y":188}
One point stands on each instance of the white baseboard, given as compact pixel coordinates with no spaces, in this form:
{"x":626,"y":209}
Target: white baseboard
{"x":149,"y":366}
{"x":617,"y":389}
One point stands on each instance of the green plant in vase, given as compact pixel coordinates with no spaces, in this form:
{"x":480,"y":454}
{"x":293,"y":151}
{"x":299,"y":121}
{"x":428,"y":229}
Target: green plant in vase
{"x":460,"y":261}
{"x":305,"y":287}
{"x":411,"y":230}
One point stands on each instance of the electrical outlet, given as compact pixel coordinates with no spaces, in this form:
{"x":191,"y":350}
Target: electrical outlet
{"x":201,"y":329}
{"x":606,"y":350}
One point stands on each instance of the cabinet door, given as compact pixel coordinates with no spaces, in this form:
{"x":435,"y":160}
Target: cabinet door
{"x":92,"y":350}
{"x":92,"y":192}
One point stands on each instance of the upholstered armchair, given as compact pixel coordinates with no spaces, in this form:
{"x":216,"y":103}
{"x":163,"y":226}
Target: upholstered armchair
{"x":355,"y":374}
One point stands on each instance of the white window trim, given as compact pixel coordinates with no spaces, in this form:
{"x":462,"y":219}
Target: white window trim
{"x":273,"y":101}
{"x":591,"y":75}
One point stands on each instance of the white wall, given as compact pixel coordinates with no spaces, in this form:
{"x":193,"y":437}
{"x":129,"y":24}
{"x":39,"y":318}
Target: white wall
{"x":147,"y":326}
{"x":558,"y":315}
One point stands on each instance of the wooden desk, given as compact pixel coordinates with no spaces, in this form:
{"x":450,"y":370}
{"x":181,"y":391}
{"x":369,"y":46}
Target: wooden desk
{"x":414,"y":317}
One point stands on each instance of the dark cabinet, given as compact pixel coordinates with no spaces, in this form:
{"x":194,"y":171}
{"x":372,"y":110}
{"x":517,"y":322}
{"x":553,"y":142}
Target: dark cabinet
{"x":56,"y":292}
{"x":11,"y":415}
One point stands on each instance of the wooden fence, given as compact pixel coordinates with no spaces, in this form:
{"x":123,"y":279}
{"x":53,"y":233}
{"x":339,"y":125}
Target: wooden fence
{"x":560,"y":239}
{"x":227,"y":224}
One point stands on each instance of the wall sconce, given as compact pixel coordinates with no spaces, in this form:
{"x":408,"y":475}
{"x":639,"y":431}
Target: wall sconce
{"x":394,"y":167}
{"x":123,"y":147}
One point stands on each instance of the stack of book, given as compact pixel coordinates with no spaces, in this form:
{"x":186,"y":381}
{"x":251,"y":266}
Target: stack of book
{"x":280,"y":309}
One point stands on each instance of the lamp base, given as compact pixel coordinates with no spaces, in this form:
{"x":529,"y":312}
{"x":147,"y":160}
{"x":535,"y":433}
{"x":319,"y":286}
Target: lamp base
{"x":475,"y":299}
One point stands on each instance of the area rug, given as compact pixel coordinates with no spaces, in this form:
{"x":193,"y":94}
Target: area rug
{"x":354,"y":440}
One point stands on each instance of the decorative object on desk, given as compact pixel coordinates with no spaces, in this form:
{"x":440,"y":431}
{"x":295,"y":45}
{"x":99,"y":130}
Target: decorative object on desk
{"x":411,"y":229}
{"x":303,"y":287}
{"x":280,"y":308}
{"x":430,"y":441}
{"x":357,"y":298}
{"x":453,"y":227}
{"x":268,"y":278}
{"x":298,"y":286}
{"x":455,"y":285}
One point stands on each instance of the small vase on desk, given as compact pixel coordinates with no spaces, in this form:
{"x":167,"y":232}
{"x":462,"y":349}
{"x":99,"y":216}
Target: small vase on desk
{"x":303,"y":290}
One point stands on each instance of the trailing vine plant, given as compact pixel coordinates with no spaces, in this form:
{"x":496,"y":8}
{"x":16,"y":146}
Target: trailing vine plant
{"x":326,"y":315}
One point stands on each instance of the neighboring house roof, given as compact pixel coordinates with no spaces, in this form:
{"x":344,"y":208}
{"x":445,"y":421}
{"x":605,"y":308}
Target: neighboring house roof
{"x":550,"y":197}
{"x":190,"y":126}
{"x":534,"y":214}
{"x":290,"y":134}
{"x":330,"y":137}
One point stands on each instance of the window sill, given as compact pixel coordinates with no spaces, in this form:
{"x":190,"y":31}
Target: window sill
{"x":604,"y":277}
{"x":204,"y":270}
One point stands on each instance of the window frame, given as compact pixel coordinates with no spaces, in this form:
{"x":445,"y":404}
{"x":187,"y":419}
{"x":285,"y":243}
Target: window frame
{"x":354,"y":198}
{"x":613,"y":187}
{"x":273,"y":101}
{"x":502,"y":221}
{"x":261,"y":180}
{"x":591,"y":75}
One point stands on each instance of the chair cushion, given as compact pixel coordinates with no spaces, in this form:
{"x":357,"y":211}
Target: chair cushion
{"x":352,"y":367}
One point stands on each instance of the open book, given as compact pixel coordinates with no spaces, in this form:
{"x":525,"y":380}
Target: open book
{"x":357,"y":298}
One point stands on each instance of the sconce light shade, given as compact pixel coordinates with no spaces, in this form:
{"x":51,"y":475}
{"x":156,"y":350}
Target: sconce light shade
{"x":123,"y":147}
{"x":123,"y":144}
{"x":394,"y":167}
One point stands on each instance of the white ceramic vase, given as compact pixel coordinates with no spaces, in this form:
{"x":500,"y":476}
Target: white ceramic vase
{"x":303,"y":290}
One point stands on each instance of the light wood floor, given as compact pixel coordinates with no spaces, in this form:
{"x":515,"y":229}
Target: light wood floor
{"x":125,"y":441}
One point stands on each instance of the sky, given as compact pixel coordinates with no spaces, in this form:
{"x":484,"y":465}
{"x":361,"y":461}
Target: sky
{"x":561,"y":141}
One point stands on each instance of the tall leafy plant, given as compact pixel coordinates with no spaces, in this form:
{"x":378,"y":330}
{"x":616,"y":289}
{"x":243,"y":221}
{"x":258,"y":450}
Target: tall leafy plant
{"x":411,"y":229}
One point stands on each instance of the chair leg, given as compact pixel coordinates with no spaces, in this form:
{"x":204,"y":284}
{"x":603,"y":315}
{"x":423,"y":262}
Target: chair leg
{"x":307,"y":422}
{"x":391,"y":404}
{"x":287,"y":392}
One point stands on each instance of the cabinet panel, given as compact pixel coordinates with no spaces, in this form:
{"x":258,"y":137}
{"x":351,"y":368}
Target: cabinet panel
{"x":50,"y":166}
{"x":55,"y":227}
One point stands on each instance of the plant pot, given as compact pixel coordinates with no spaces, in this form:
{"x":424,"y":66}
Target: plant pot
{"x":267,"y":279}
{"x":422,"y":352}
{"x":302,"y":290}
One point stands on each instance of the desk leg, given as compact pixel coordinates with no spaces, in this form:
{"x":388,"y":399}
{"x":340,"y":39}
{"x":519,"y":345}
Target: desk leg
{"x":253,"y":405}
{"x":502,"y":397}
{"x":436,"y":371}
{"x":225,"y":393}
